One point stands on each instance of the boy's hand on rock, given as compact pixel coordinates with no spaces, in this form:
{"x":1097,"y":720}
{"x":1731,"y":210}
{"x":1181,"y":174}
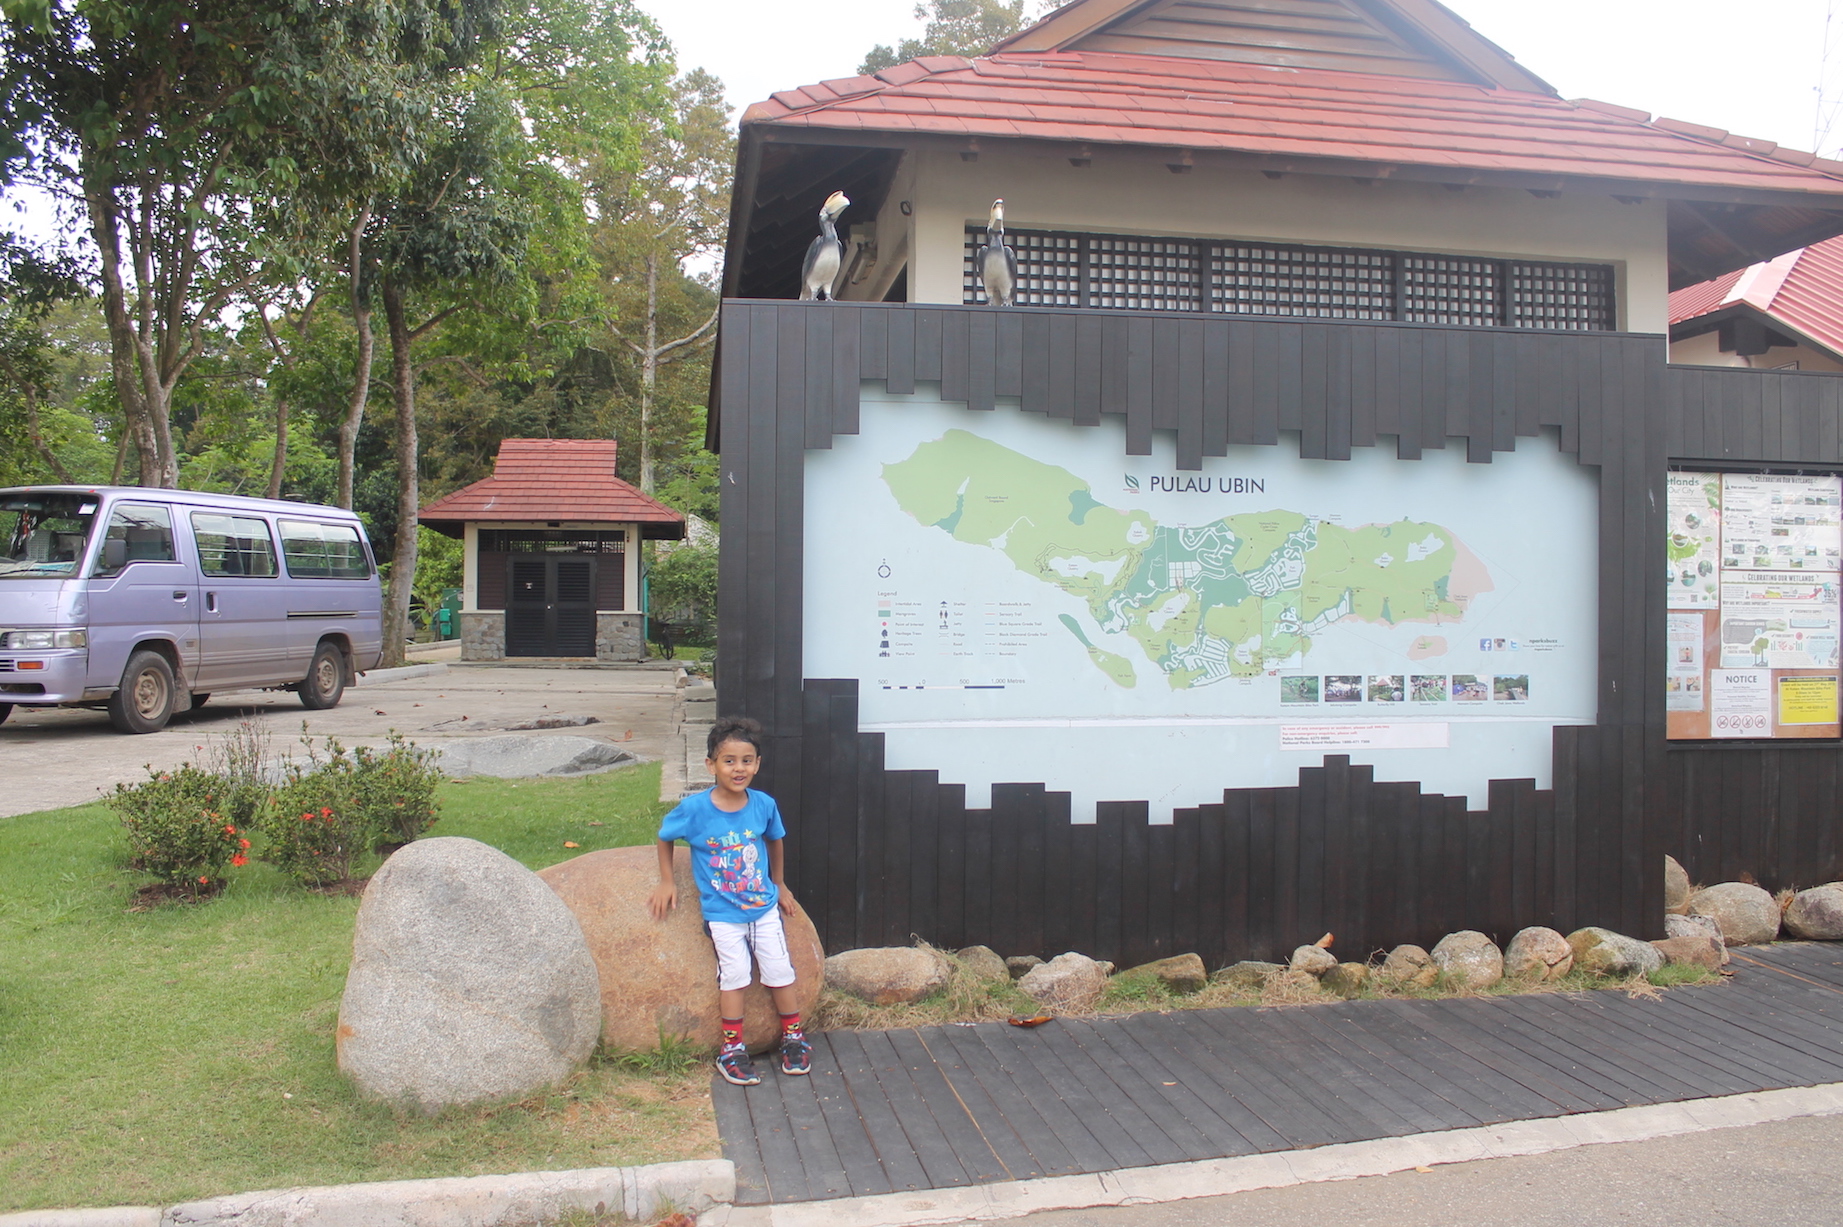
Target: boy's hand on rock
{"x":663,"y":899}
{"x":788,"y":906}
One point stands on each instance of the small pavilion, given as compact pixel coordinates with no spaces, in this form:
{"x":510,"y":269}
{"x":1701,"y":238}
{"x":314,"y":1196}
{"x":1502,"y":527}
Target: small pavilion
{"x":552,"y":565}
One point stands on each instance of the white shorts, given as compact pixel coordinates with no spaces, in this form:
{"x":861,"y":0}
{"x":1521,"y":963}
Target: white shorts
{"x":765,"y":939}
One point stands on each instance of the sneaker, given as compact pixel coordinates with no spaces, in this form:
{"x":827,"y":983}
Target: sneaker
{"x":734,"y":1064}
{"x":796,"y":1053}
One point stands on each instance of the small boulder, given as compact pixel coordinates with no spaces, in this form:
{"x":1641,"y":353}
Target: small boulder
{"x":1817,"y":914}
{"x":1700,"y":951}
{"x":1294,"y":980}
{"x":1410,"y":965}
{"x":1018,"y":965}
{"x":1247,"y":974}
{"x":660,"y":977}
{"x":1068,"y":983}
{"x":1470,"y":958}
{"x":1748,"y":915}
{"x":1607,"y":953}
{"x":1691,"y":926}
{"x":984,"y":962}
{"x":1313,"y":959}
{"x":888,"y":975}
{"x":1346,"y":979}
{"x":1676,"y":887}
{"x":1537,"y":953}
{"x":1181,"y":973}
{"x":470,"y":981}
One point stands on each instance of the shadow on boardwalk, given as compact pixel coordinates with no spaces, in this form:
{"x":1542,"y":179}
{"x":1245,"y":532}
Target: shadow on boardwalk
{"x":941,"y":1107}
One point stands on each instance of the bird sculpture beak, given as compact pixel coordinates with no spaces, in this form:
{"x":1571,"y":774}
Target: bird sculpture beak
{"x":998,"y":210}
{"x":835,"y":204}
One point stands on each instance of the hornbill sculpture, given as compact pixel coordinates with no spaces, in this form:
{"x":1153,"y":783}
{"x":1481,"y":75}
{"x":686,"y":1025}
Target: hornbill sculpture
{"x":997,"y":263}
{"x":826,"y":253}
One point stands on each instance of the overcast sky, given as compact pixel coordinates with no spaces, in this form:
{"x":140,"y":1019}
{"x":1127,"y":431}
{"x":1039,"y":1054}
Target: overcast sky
{"x":1754,"y":68}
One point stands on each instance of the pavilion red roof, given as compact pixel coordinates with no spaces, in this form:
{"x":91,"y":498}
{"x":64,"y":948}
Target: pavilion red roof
{"x":1802,"y":290}
{"x":552,"y":479}
{"x":1444,"y":127}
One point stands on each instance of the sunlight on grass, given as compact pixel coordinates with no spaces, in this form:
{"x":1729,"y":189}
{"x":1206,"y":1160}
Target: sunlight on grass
{"x":187,"y":1051}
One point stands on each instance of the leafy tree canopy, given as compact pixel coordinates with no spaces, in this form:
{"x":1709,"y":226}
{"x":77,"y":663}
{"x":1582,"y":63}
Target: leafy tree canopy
{"x":956,"y":27}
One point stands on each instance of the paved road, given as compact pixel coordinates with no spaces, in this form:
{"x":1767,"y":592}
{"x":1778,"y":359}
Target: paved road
{"x":56,"y":757}
{"x":1786,"y":1174}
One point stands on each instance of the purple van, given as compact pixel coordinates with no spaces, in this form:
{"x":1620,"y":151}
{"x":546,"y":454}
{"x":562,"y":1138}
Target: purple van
{"x":147,"y":601}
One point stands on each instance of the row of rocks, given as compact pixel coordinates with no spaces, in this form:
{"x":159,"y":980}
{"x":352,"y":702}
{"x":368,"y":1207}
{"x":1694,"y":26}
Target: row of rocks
{"x":1070,"y":983}
{"x":1748,"y":915}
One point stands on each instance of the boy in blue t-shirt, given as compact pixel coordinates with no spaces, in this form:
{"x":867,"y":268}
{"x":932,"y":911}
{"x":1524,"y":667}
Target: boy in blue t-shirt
{"x":735,"y":834}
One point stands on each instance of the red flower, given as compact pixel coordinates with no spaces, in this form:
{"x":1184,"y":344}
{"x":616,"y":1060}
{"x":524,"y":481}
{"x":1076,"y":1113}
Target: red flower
{"x":325,"y":812}
{"x":240,"y":860}
{"x":244,"y":843}
{"x":204,"y":881}
{"x":229,"y":830}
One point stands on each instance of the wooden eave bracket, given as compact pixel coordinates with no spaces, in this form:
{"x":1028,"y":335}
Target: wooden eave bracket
{"x":1072,"y":22}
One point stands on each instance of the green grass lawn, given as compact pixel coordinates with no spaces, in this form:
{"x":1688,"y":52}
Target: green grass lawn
{"x":187,"y":1051}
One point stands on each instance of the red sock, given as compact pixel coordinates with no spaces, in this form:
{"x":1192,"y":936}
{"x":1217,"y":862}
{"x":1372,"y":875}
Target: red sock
{"x":790,"y":1023}
{"x":732,"y":1031}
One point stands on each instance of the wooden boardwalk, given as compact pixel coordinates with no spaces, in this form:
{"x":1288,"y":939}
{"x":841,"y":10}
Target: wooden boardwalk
{"x":895,"y":1111}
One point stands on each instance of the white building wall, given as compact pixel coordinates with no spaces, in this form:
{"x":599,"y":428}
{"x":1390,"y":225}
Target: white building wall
{"x":1705,"y":350}
{"x":1133,"y":193}
{"x":470,"y":573}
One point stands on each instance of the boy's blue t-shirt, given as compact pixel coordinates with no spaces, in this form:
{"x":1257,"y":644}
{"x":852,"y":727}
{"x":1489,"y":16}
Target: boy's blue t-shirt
{"x":729,"y":853}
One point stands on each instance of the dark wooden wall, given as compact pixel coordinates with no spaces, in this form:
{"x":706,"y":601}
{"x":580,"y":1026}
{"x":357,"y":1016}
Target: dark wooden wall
{"x":1766,"y":810}
{"x":879,"y":855}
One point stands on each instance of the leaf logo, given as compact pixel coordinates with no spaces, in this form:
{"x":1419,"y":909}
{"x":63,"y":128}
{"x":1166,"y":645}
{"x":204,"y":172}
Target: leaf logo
{"x":1132,"y":484}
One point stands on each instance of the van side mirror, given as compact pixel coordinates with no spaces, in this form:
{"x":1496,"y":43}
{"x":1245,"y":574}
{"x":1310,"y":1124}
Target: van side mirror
{"x":114,"y":554}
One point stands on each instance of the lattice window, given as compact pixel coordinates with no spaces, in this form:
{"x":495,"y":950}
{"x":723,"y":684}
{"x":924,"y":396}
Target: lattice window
{"x":1450,"y":290}
{"x":1144,"y":274}
{"x":1572,"y":296}
{"x":554,"y":541}
{"x":1351,"y":285}
{"x":1063,"y":269}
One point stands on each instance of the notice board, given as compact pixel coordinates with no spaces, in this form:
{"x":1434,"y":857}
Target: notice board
{"x":1755,"y":561}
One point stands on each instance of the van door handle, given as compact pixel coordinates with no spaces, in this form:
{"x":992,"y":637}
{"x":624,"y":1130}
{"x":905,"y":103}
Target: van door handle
{"x":211,"y":602}
{"x":179,"y":596}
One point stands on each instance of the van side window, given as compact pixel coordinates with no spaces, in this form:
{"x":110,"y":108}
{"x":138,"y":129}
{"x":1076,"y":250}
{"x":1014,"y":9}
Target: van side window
{"x":315,"y":549}
{"x":233,"y":545}
{"x":146,"y":533}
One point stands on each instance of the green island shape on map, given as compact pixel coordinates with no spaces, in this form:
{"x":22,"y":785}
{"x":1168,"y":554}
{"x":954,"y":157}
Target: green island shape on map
{"x":1235,"y":597}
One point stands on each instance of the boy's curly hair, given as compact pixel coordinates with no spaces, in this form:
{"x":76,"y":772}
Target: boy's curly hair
{"x":734,"y":728}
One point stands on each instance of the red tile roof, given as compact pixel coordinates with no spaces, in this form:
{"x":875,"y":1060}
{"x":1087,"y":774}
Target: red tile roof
{"x":1802,"y":290}
{"x":551,"y":479}
{"x":1193,"y":104}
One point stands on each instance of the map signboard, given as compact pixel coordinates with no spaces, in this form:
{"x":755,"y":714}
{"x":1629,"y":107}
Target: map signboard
{"x":1020,"y":603}
{"x":1766,"y":620}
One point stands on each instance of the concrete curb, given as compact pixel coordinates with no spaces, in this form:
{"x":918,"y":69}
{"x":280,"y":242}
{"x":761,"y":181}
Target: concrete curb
{"x":515,"y":1200}
{"x":378,"y":677}
{"x":1347,"y":1161}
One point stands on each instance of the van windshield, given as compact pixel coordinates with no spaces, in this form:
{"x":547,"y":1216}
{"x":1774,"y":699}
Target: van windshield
{"x":42,"y":536}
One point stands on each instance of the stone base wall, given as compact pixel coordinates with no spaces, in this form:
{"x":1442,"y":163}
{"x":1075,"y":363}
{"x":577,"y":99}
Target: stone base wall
{"x":483,"y":634}
{"x":620,"y":636}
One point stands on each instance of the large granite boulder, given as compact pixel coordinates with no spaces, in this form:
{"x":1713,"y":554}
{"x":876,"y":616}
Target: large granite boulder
{"x":1249,"y":974}
{"x":1537,"y":953}
{"x":1410,"y":965}
{"x":1181,"y":973}
{"x":1607,"y":953}
{"x":1470,"y":958}
{"x":1676,"y":887}
{"x":984,"y":962}
{"x":470,"y":981}
{"x":1817,"y":914}
{"x":889,"y":975}
{"x":660,"y":977}
{"x":1747,"y":914}
{"x":1069,"y":983}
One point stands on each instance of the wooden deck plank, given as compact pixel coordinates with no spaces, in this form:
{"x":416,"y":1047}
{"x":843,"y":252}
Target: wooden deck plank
{"x":1093,"y":1105}
{"x":1796,"y":1050}
{"x":995,"y":1126}
{"x":901,"y":1168}
{"x":774,"y":1137}
{"x":1387,"y":1042}
{"x":1212,"y":1082}
{"x":1173,"y":1085}
{"x":1166,"y":1138}
{"x":1510,"y":1028}
{"x":927,"y":1142}
{"x":1451,"y":1022}
{"x":1082,"y":1153}
{"x":947,"y":1110}
{"x":736,"y":1128}
{"x":1343,"y":1056}
{"x":1258,"y":1080}
{"x":1308,"y":1061}
{"x":1585,"y":1024}
{"x":819,"y":1157}
{"x":1773,"y":1065}
{"x":838,"y":1106}
{"x":1042,"y":1153}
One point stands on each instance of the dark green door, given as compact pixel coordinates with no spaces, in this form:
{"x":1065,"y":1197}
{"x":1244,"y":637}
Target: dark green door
{"x":550,"y":606}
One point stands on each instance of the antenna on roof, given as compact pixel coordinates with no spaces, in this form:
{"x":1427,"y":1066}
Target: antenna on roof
{"x":1829,"y":96}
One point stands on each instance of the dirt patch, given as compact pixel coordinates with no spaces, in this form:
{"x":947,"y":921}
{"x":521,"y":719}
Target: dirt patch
{"x":345,"y":888}
{"x":161,"y":894}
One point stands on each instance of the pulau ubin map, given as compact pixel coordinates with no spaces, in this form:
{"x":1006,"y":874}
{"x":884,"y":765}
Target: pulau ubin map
{"x":1239,"y":596}
{"x":1019,"y":597}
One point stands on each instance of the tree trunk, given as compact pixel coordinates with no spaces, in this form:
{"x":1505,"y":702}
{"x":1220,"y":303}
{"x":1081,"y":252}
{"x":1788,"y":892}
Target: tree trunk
{"x":649,"y":373}
{"x":361,"y":373}
{"x":403,"y":395}
{"x":144,"y":421}
{"x":37,"y":436}
{"x":281,"y":448}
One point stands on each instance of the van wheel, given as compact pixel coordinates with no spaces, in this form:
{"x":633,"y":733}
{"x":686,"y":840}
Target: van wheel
{"x":143,"y":703}
{"x":326,"y":679}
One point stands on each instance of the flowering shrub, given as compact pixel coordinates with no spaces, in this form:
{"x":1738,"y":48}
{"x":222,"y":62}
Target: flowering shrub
{"x":178,"y":830}
{"x":315,"y":831}
{"x":396,"y":790}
